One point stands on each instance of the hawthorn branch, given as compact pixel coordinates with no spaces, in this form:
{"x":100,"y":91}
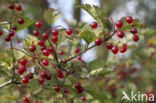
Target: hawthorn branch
{"x":5,"y":84}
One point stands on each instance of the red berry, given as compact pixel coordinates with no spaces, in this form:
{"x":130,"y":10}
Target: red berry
{"x":14,"y":28}
{"x":69,"y":31}
{"x":36,"y":33}
{"x":134,"y":31}
{"x":45,"y":52}
{"x":66,"y":90}
{"x":45,"y":62}
{"x":41,"y":80}
{"x":120,"y":34}
{"x":98,"y":41}
{"x":45,"y":35}
{"x":54,"y":39}
{"x":38,"y":24}
{"x":60,"y":52}
{"x":60,"y":75}
{"x":20,"y":20}
{"x":119,"y":24}
{"x":30,"y":75}
{"x":57,"y":88}
{"x":21,"y":69}
{"x":41,"y":42}
{"x":79,"y":58}
{"x":129,"y":19}
{"x":51,"y":49}
{"x":135,"y":38}
{"x":43,"y":47}
{"x":11,"y":6}
{"x":26,"y":100}
{"x":115,"y":49}
{"x":64,"y":59}
{"x":11,"y":33}
{"x":122,"y":49}
{"x":48,"y":76}
{"x":94,"y":24}
{"x":23,"y":61}
{"x":1,"y":32}
{"x":55,"y":32}
{"x":83,"y":98}
{"x":59,"y":71}
{"x":77,"y":50}
{"x":7,"y":38}
{"x":25,"y":80}
{"x":32,"y":48}
{"x":109,"y":45}
{"x":43,"y":74}
{"x":19,"y":7}
{"x":80,"y":90}
{"x":77,"y":85}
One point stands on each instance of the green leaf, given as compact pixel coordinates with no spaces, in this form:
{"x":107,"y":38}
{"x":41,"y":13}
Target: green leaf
{"x":96,"y":64}
{"x":27,"y":22}
{"x":87,"y":35}
{"x":101,"y":71}
{"x":51,"y":15}
{"x":5,"y":24}
{"x":29,"y":39}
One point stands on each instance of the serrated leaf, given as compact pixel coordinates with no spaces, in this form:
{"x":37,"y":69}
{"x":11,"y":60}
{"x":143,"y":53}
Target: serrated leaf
{"x":96,"y":64}
{"x":51,"y":15}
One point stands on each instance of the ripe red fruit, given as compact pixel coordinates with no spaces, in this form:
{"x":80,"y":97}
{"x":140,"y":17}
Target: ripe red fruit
{"x":69,"y":31}
{"x":54,"y":39}
{"x":109,"y":45}
{"x":36,"y":33}
{"x":25,"y":80}
{"x":23,"y":61}
{"x":11,"y":33}
{"x":129,"y":19}
{"x":54,"y":32}
{"x":98,"y":41}
{"x":60,"y":75}
{"x":122,"y":49}
{"x":66,"y":90}
{"x":30,"y":75}
{"x":80,"y":90}
{"x":14,"y":28}
{"x":79,"y":58}
{"x":134,"y":31}
{"x":45,"y":52}
{"x":7,"y":38}
{"x":93,"y":24}
{"x":19,"y":7}
{"x":119,"y":24}
{"x":120,"y":34}
{"x":1,"y":32}
{"x":60,"y":52}
{"x":32,"y":48}
{"x":43,"y":47}
{"x":115,"y":49}
{"x":83,"y":98}
{"x":41,"y":80}
{"x":41,"y":42}
{"x":11,"y":6}
{"x":38,"y":24}
{"x":77,"y":50}
{"x":77,"y":85}
{"x":20,"y":20}
{"x":135,"y":38}
{"x":48,"y":76}
{"x":57,"y":88}
{"x":45,"y":35}
{"x":45,"y":62}
{"x":51,"y":49}
{"x":64,"y":59}
{"x":59,"y":71}
{"x":43,"y":74}
{"x":26,"y":100}
{"x":21,"y":69}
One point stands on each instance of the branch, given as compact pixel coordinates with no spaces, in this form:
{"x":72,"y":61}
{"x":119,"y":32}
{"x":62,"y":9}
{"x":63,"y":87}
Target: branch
{"x":5,"y":84}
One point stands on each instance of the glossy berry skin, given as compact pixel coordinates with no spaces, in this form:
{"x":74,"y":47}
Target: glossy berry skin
{"x":123,"y":50}
{"x":120,"y":34}
{"x":129,"y":19}
{"x":21,"y":69}
{"x":41,"y":80}
{"x":11,"y":6}
{"x":77,"y":85}
{"x":83,"y":98}
{"x":45,"y":62}
{"x":119,"y":24}
{"x":7,"y":38}
{"x":43,"y":47}
{"x":134,"y":31}
{"x":30,"y":76}
{"x":23,"y":61}
{"x":36,"y":33}
{"x":135,"y":38}
{"x":18,"y":7}
{"x":79,"y":57}
{"x":60,"y":75}
{"x":69,"y":31}
{"x":57,"y":88}
{"x":25,"y":80}
{"x":51,"y":49}
{"x":14,"y":28}
{"x":60,"y":52}
{"x":45,"y":35}
{"x":11,"y":33}
{"x":109,"y":45}
{"x":77,"y":50}
{"x":66,"y":90}
{"x":32,"y":48}
{"x":1,"y":32}
{"x":43,"y":74}
{"x":114,"y":49}
{"x":54,"y":32}
{"x":54,"y":39}
{"x":48,"y":76}
{"x":38,"y":24}
{"x":94,"y":25}
{"x":80,"y":90}
{"x":26,"y":100}
{"x":45,"y":52}
{"x":40,"y":42}
{"x":98,"y":41}
{"x":20,"y":20}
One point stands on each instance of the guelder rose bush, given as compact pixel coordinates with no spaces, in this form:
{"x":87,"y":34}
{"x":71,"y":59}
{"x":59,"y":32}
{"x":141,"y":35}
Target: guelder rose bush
{"x":59,"y":68}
